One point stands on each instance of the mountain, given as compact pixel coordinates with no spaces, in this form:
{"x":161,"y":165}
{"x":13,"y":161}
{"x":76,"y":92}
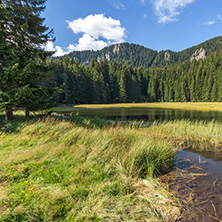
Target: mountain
{"x":137,"y":55}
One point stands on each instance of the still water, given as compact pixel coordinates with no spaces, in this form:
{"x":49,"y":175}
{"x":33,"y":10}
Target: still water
{"x":208,"y":161}
{"x":151,"y":114}
{"x":197,"y":180}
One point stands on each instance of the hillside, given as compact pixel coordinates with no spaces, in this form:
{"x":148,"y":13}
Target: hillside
{"x":103,"y":82}
{"x":137,"y":55}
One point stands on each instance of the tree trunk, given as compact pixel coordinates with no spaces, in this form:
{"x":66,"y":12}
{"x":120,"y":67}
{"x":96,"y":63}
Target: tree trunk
{"x":27,"y":112}
{"x":8,"y":113}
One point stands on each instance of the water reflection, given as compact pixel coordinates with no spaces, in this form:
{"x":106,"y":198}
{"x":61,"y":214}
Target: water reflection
{"x":210,"y":162}
{"x":152,"y":114}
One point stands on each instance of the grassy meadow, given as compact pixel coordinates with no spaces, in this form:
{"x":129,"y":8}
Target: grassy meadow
{"x":198,"y":106}
{"x":75,"y":169}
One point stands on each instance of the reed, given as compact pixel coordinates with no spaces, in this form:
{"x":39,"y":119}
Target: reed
{"x":198,"y":135}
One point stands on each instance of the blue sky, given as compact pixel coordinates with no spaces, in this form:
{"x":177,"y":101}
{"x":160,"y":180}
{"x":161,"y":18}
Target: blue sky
{"x":155,"y":24}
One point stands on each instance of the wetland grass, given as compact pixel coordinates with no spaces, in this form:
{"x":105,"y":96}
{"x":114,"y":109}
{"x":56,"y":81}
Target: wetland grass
{"x":198,"y":135}
{"x":61,"y":170}
{"x":83,"y":169}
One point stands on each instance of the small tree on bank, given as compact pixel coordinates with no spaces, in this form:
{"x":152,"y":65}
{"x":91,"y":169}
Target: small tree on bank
{"x":22,"y":57}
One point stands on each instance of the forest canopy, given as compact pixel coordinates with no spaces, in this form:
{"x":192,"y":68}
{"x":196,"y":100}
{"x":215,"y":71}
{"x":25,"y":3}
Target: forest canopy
{"x":111,"y":82}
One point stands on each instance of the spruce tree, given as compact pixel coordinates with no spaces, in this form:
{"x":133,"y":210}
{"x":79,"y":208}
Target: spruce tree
{"x":23,"y":66}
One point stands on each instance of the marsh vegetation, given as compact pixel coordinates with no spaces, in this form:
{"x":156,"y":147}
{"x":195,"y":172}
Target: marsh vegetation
{"x":85,"y":169}
{"x":148,"y":111}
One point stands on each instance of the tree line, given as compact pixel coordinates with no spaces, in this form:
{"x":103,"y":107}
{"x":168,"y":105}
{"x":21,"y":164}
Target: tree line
{"x":31,"y":80}
{"x":104,"y":82}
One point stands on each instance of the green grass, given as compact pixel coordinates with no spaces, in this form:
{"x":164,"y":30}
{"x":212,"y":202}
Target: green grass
{"x":55,"y":169}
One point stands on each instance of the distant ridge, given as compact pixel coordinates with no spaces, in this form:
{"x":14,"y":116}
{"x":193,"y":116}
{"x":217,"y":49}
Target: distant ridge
{"x":137,"y":55}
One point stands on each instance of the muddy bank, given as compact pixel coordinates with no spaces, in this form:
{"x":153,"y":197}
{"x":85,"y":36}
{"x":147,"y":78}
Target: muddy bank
{"x":197,"y":182}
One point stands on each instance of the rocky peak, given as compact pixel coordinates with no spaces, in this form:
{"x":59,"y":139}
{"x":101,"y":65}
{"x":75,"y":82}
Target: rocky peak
{"x":116,"y":48}
{"x":107,"y":56}
{"x":199,"y":54}
{"x":167,"y":56}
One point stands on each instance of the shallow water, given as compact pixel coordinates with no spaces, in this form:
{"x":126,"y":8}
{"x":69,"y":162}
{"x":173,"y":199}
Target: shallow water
{"x":197,"y":180}
{"x":209,"y":161}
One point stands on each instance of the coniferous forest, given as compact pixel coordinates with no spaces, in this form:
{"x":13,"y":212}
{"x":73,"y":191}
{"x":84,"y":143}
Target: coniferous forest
{"x":34,"y":80}
{"x":74,"y":168}
{"x":113,"y":82}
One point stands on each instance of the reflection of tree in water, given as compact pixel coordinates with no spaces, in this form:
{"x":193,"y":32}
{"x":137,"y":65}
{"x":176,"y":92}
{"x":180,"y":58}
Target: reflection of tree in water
{"x":207,"y":154}
{"x":123,"y":114}
{"x":153,"y":114}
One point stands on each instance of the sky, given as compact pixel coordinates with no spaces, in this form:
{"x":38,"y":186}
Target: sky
{"x":156,"y":24}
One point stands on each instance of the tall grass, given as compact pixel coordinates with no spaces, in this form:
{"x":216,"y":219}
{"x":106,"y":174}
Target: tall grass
{"x":198,"y":135}
{"x":80,"y":170}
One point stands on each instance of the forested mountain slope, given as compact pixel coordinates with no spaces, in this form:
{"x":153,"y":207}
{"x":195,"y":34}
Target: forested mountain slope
{"x":137,"y":55}
{"x":104,"y":82}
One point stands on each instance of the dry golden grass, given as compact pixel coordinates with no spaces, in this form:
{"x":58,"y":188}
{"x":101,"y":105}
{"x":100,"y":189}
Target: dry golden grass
{"x":200,"y":106}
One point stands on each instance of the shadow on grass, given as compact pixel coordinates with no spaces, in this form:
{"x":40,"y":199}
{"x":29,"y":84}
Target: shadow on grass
{"x":19,"y":122}
{"x":14,"y":125}
{"x":105,"y":122}
{"x":90,"y":122}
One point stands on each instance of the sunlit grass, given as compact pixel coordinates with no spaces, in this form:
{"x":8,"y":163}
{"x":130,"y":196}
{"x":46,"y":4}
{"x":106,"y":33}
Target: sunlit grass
{"x":199,"y":135}
{"x":200,"y":106}
{"x":85,"y":169}
{"x":61,"y":170}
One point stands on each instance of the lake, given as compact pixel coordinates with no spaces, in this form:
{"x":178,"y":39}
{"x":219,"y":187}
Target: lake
{"x":149,"y":114}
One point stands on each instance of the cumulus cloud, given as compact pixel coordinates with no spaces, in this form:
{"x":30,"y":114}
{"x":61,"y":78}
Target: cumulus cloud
{"x":99,"y":26}
{"x":209,"y":23}
{"x":98,"y":32}
{"x":168,"y":10}
{"x":49,"y":46}
{"x":87,"y":42}
{"x":57,"y":49}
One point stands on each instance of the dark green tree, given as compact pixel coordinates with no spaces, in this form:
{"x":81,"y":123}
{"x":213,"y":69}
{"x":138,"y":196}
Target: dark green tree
{"x":23,"y":66}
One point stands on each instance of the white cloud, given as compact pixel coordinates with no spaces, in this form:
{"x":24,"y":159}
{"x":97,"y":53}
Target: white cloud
{"x":57,"y":49}
{"x":209,"y":23}
{"x":98,"y":32}
{"x":145,"y":16}
{"x":87,"y":43}
{"x":219,"y":16}
{"x":99,"y":26}
{"x":49,"y":46}
{"x":168,"y":10}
